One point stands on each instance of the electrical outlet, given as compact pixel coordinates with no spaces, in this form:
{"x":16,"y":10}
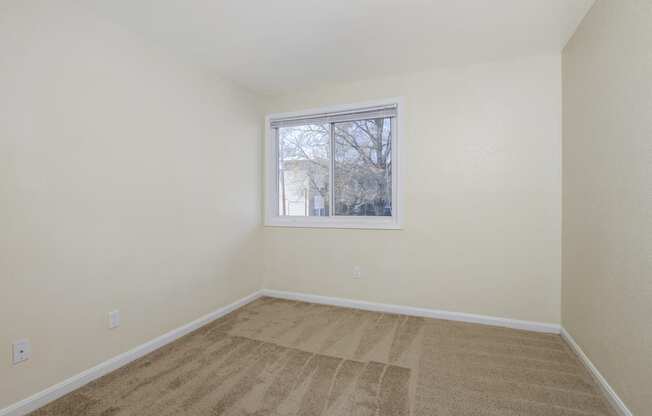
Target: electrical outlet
{"x":21,"y":351}
{"x":114,"y":319}
{"x":357,"y":273}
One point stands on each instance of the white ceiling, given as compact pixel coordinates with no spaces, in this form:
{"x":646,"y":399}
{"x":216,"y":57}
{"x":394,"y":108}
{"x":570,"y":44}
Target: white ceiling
{"x":272,"y":46}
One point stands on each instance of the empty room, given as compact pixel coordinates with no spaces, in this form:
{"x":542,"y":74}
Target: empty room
{"x":326,"y":207}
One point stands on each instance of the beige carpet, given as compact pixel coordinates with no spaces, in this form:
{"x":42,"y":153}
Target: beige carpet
{"x":278,"y":357}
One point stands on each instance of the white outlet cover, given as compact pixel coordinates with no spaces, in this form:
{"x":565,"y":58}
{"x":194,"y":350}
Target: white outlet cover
{"x":357,"y":273}
{"x":114,"y":319}
{"x":21,"y":351}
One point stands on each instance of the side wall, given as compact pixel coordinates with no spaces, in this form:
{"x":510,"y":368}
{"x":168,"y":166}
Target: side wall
{"x":607,"y":195}
{"x":126,"y":179}
{"x":481,"y":197}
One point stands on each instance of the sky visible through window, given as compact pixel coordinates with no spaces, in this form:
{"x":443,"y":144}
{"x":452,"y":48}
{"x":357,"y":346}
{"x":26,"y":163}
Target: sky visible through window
{"x":361,"y":168}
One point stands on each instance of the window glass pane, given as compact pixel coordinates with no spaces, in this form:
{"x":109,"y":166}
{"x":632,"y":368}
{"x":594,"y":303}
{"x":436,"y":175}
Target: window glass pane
{"x":363,"y":168}
{"x":303,"y":175}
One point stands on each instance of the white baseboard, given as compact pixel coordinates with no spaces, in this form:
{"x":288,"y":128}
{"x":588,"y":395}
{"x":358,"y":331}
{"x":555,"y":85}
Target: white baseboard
{"x":44,"y":397}
{"x":409,"y":310}
{"x":60,"y":389}
{"x":609,"y":392}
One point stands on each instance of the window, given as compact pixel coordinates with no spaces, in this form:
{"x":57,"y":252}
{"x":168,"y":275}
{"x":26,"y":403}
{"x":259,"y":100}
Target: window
{"x":334,"y":168}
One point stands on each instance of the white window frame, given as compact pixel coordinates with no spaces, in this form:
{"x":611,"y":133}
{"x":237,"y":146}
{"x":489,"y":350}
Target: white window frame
{"x":273,"y":219}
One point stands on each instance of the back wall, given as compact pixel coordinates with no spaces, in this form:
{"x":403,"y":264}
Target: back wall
{"x":481,"y":197}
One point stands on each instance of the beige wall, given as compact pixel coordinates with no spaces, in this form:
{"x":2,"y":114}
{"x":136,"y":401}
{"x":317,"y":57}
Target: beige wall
{"x":607,"y":195}
{"x":127,"y":181}
{"x":482,"y":198}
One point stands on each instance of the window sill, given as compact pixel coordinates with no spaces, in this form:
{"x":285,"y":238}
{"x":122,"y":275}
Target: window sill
{"x":337,"y":223}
